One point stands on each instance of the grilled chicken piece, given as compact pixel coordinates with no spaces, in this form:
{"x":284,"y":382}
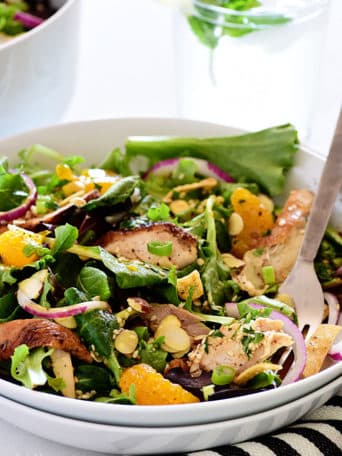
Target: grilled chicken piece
{"x":132,"y":244}
{"x":279,"y":249}
{"x":293,"y":215}
{"x":189,"y":322}
{"x":40,"y":333}
{"x":229,"y":350}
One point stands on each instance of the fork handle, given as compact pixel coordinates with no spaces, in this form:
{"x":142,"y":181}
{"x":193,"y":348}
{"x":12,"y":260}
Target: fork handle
{"x":325,"y":198}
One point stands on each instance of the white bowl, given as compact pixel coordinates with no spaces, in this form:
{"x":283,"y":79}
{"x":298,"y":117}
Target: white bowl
{"x":94,"y":139}
{"x":121,"y":440}
{"x":38,"y":71}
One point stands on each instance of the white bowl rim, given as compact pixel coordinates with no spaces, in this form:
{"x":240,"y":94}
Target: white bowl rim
{"x":30,"y":33}
{"x":148,"y":410}
{"x":77,"y":123}
{"x":316,"y":394}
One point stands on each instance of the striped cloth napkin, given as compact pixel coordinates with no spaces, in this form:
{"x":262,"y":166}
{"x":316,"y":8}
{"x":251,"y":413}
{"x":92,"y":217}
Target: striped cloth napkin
{"x":319,"y":433}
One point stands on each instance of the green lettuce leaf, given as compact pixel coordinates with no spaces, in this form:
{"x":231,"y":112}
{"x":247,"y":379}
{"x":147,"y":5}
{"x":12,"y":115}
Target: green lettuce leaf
{"x":263,"y":157}
{"x":26,"y":366}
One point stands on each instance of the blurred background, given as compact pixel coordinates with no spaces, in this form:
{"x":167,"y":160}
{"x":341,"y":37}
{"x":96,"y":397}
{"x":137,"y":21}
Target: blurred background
{"x":124,"y":58}
{"x":138,"y":58}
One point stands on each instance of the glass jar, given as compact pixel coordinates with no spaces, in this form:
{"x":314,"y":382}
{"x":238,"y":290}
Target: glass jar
{"x":251,"y":69}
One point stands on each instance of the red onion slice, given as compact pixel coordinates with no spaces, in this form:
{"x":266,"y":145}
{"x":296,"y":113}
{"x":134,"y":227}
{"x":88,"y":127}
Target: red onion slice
{"x":334,"y":308}
{"x":60,"y":312}
{"x":29,"y":21}
{"x":232,"y":310}
{"x":299,"y":348}
{"x":205,"y":168}
{"x":335,"y":351}
{"x":21,"y":210}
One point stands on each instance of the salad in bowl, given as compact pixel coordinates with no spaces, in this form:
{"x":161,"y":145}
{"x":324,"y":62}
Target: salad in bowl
{"x":151,"y":276}
{"x":18,"y":17}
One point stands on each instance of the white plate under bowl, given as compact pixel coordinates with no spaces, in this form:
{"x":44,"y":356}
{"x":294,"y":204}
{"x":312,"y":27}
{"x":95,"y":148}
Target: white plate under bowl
{"x":94,"y":139}
{"x":122,"y":440}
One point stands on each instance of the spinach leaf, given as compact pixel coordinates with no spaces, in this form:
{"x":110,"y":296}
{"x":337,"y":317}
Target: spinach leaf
{"x":212,"y":272}
{"x":262,"y":157}
{"x":133,"y":274}
{"x":66,"y":269}
{"x":119,"y":192}
{"x":151,"y":353}
{"x":94,"y":282}
{"x":9,"y":309}
{"x":128,"y":274}
{"x":65,"y":237}
{"x":93,"y":378}
{"x":97,"y":328}
{"x":13,"y":191}
{"x":73,"y":295}
{"x":116,"y":397}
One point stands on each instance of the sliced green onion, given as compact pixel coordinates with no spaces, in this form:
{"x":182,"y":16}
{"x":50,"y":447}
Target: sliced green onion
{"x":160,"y":248}
{"x":207,"y":391}
{"x":221,"y":319}
{"x":268,"y":275}
{"x":222,"y":375}
{"x":159,"y":213}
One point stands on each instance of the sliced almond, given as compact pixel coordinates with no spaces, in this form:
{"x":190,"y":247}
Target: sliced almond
{"x":169,"y":321}
{"x":231,"y":261}
{"x":139,"y":304}
{"x":126,"y":342}
{"x":176,"y":340}
{"x":179,"y":206}
{"x":235,"y":224}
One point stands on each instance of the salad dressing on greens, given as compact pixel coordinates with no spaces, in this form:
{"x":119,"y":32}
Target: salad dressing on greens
{"x":157,"y":284}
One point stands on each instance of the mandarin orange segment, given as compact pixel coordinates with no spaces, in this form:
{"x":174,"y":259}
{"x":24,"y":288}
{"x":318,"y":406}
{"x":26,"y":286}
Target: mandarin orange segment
{"x":12,"y":243}
{"x":257,"y":220}
{"x":152,"y":388}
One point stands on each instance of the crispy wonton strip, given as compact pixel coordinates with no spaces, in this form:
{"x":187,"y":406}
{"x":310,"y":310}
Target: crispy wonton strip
{"x":318,"y":346}
{"x":252,"y":371}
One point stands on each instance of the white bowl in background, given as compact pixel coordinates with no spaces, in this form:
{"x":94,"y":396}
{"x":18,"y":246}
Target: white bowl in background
{"x":94,"y":139}
{"x":38,"y":71}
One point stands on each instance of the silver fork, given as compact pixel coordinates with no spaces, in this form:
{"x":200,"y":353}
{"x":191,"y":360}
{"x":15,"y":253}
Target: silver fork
{"x":302,"y":283}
